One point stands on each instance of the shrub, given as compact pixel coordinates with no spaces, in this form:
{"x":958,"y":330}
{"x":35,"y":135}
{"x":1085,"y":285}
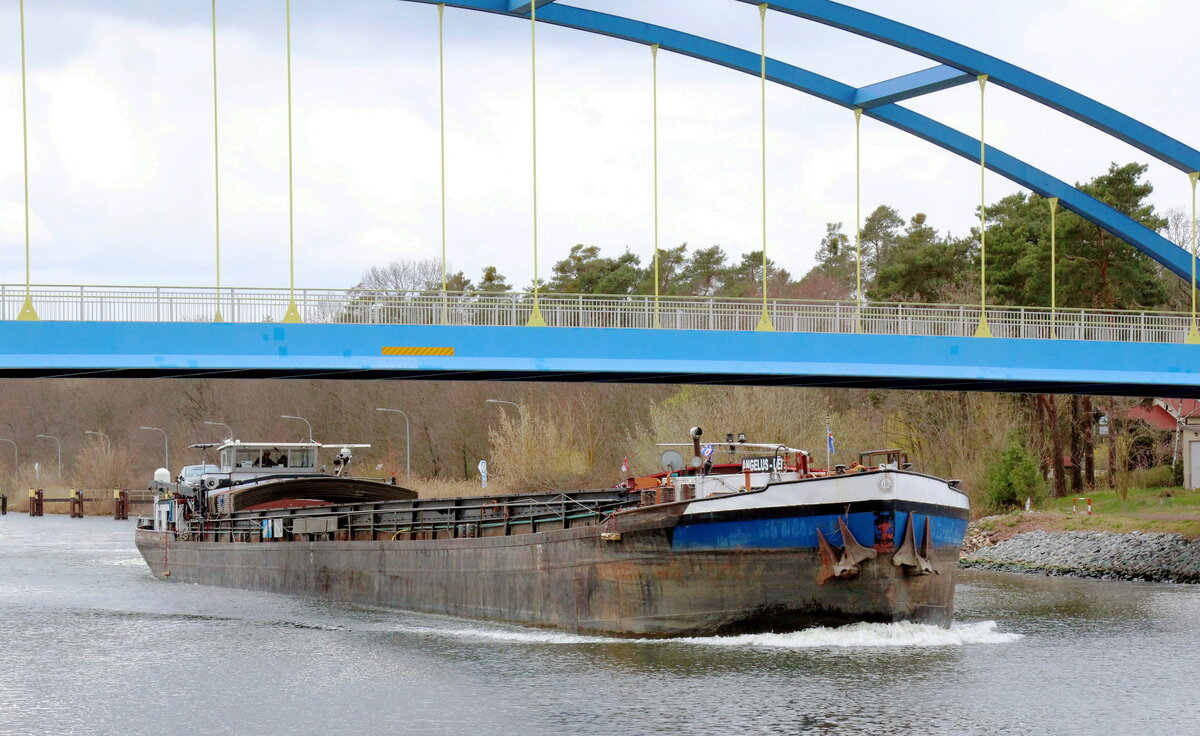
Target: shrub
{"x":1011,"y":478}
{"x":1157,"y":477}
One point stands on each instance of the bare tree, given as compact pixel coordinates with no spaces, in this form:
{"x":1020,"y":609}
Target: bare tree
{"x":403,"y":276}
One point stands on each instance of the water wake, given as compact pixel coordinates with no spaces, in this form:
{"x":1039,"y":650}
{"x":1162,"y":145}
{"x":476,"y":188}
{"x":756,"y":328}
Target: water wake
{"x":901,"y":634}
{"x":514,"y":636}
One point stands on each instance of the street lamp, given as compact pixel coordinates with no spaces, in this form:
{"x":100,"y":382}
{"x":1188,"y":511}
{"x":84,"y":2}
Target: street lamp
{"x":223,"y":424}
{"x":52,"y":437}
{"x":407,"y":443}
{"x":501,"y":401}
{"x":107,"y":441}
{"x":16,"y":454}
{"x":306,"y":422}
{"x":166,"y":450}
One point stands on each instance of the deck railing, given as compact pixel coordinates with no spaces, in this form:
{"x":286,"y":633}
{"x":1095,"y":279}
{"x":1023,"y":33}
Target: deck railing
{"x":357,"y":306}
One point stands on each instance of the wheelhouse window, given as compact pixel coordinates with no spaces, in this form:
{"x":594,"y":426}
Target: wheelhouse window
{"x":298,"y":457}
{"x":242,"y":458}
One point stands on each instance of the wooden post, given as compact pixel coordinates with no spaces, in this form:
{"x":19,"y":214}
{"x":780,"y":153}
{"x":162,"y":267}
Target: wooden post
{"x":36,"y":507}
{"x":76,"y":504}
{"x":3,"y":504}
{"x":120,"y":505}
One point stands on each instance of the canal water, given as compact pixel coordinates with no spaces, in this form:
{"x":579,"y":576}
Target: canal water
{"x":90,"y":643}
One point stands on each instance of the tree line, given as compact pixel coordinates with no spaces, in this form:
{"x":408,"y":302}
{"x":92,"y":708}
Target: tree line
{"x":898,"y":259}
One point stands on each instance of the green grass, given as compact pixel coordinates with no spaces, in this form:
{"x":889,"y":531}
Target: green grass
{"x":1175,"y":501}
{"x":1173,"y":510}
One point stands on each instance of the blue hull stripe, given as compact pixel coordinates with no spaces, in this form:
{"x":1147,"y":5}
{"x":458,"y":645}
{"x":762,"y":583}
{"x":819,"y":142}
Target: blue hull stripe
{"x":800,"y":531}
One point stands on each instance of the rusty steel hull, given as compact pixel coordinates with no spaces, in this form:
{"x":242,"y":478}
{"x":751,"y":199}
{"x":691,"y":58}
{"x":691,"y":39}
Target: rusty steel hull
{"x":638,"y":585}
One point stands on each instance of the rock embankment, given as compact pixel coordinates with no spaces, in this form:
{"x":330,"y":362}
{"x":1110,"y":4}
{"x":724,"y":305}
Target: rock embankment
{"x":1132,"y":556}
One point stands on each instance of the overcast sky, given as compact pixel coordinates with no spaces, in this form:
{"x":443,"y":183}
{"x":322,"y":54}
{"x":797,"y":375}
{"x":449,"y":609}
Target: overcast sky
{"x":121,"y":159}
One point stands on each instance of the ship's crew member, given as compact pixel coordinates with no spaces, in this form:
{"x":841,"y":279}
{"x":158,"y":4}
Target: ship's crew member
{"x":267,"y":462}
{"x":283,"y":461}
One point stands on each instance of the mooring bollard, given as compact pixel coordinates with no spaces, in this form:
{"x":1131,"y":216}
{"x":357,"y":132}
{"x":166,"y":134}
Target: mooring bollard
{"x":36,"y":505}
{"x":76,"y":504}
{"x":120,"y":505}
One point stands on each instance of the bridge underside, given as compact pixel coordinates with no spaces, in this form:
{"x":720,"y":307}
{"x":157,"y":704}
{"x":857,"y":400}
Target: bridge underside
{"x":382,"y":352}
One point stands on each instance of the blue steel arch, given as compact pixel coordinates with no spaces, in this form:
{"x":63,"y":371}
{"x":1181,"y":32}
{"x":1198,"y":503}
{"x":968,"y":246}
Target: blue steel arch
{"x":878,"y":101}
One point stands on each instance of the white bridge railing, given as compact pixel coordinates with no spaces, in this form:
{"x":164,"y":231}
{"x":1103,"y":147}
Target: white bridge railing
{"x":328,"y":306}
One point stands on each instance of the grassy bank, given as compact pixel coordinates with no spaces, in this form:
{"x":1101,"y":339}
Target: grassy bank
{"x":1143,"y":509}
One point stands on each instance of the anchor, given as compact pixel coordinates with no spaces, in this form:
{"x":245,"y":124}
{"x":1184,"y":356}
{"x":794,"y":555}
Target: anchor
{"x":914,"y":561}
{"x":841,"y":563}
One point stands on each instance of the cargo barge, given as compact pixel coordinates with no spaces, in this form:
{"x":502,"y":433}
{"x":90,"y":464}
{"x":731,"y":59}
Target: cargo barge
{"x":759,"y":543}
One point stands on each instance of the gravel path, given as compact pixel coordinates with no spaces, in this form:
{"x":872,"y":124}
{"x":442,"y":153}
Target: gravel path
{"x":1132,"y":556}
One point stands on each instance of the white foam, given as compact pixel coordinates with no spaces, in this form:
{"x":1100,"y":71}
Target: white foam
{"x":531,"y":636}
{"x":901,"y":634}
{"x":123,"y":562}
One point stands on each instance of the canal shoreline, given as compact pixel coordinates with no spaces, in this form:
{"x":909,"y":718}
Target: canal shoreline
{"x":1136,"y":555}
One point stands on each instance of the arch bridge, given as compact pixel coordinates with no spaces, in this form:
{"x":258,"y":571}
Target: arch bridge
{"x":110,"y":331}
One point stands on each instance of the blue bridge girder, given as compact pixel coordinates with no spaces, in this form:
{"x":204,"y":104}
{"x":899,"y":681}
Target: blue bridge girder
{"x":878,"y":100}
{"x":911,"y":85}
{"x":595,"y":355}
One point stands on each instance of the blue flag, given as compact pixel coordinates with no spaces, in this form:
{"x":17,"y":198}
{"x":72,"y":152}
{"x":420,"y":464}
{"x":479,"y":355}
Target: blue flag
{"x":829,"y":441}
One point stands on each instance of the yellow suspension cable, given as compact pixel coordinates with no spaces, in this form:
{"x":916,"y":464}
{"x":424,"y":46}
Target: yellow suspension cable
{"x":1194,"y":333}
{"x":535,"y":316}
{"x":764,"y":321}
{"x":442,"y":124}
{"x":654,"y":118}
{"x":1053,"y":269}
{"x":983,"y":330}
{"x":216,"y":163}
{"x":858,"y":219}
{"x":292,"y":315}
{"x":27,"y":312}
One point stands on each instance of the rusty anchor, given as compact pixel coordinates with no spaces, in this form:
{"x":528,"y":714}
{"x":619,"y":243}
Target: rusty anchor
{"x":914,"y":561}
{"x":841,"y":563}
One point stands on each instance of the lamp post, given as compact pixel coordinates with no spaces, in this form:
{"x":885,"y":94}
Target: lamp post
{"x":502,"y":401}
{"x":107,"y":441}
{"x":52,"y":437}
{"x":306,"y":422}
{"x":223,"y":424}
{"x":16,"y":454}
{"x":166,"y":450}
{"x":407,"y":442}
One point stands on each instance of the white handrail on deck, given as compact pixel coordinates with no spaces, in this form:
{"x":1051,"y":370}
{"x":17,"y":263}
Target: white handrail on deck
{"x":511,"y":309}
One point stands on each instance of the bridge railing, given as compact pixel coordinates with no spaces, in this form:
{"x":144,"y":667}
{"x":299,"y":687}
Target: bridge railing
{"x":357,"y":306}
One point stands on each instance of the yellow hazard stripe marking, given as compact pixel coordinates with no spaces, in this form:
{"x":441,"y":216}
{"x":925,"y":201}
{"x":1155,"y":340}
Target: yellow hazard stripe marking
{"x":388,"y":350}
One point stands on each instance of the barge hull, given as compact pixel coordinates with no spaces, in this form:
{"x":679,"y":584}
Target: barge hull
{"x":633,"y":581}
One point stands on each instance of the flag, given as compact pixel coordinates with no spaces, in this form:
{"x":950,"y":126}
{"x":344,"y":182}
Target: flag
{"x":625,"y":465}
{"x":829,"y":441}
